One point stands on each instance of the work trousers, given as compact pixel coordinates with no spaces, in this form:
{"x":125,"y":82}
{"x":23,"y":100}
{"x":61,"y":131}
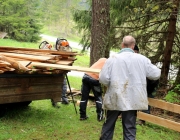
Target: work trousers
{"x":151,"y":87}
{"x":64,"y":89}
{"x":88,"y":84}
{"x":149,"y":107}
{"x":128,"y":124}
{"x":63,"y":93}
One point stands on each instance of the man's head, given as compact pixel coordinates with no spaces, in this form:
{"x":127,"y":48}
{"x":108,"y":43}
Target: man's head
{"x":128,"y":42}
{"x":136,"y":49}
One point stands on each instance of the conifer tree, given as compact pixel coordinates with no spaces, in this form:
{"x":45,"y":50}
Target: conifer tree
{"x":20,"y":19}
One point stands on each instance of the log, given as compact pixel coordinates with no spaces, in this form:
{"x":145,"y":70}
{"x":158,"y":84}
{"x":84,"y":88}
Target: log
{"x":4,"y":64}
{"x":1,"y":71}
{"x":63,"y":67}
{"x":14,"y":63}
{"x":7,"y":69}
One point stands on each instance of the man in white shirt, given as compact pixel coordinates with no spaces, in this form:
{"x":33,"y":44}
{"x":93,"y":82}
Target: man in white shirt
{"x":124,"y":75}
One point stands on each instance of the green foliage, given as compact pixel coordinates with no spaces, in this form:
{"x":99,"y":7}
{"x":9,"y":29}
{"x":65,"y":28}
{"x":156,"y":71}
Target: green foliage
{"x":57,"y":18}
{"x":173,"y":96}
{"x":82,"y":18}
{"x":20,"y":19}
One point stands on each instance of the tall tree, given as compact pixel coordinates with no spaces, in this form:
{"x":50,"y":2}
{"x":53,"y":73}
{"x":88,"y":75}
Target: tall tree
{"x":99,"y":30}
{"x":171,"y":33}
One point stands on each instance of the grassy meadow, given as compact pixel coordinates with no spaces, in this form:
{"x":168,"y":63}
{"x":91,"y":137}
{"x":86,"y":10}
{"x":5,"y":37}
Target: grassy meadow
{"x":41,"y":121}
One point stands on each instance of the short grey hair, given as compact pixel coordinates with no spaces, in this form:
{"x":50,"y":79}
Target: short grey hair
{"x":128,"y":41}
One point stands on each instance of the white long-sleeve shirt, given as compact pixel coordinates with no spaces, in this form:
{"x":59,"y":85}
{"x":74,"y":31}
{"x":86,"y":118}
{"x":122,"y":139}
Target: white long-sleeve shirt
{"x":125,"y":74}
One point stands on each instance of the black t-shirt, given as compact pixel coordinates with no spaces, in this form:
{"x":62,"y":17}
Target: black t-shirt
{"x":151,"y":86}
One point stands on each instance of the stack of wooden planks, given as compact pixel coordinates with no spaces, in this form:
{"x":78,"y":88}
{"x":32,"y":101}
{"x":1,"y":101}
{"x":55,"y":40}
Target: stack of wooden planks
{"x":20,"y":60}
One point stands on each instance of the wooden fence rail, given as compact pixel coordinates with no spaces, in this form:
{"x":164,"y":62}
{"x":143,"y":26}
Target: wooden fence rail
{"x":158,"y":120}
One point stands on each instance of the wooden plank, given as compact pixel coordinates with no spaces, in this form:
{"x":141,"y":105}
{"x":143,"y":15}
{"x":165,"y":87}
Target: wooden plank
{"x":1,"y":71}
{"x":13,"y":63}
{"x":159,"y":121}
{"x":64,"y":62}
{"x":52,"y":56}
{"x":29,"y":57}
{"x":64,"y":67}
{"x":6,"y":48}
{"x":20,"y":89}
{"x":26,"y":52}
{"x":164,"y":105}
{"x":69,"y":58}
{"x":24,"y":63}
{"x":56,"y":96}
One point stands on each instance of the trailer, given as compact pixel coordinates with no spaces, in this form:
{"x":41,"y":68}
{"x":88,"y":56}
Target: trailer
{"x":24,"y":76}
{"x":22,"y":89}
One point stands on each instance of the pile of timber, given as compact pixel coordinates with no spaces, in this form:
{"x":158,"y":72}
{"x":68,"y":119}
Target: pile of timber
{"x":30,"y":61}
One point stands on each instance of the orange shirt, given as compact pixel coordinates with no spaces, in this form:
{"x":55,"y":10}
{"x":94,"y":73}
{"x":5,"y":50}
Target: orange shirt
{"x":97,"y":65}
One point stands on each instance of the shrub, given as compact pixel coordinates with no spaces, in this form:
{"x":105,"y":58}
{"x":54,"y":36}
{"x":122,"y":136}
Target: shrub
{"x":173,"y":96}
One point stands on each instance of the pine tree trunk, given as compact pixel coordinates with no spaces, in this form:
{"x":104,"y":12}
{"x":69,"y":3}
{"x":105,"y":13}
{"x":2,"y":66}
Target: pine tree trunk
{"x":99,"y":29}
{"x":169,"y":44}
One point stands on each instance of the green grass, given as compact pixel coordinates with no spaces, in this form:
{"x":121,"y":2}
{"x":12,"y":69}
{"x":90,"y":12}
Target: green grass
{"x":40,"y":121}
{"x":75,"y":82}
{"x":82,"y":60}
{"x":13,"y":43}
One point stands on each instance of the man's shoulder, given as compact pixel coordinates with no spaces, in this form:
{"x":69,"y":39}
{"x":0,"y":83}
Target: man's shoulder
{"x":140,"y":56}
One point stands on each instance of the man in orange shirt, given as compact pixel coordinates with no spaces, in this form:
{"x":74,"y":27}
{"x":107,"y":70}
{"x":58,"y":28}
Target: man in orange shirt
{"x":90,"y":81}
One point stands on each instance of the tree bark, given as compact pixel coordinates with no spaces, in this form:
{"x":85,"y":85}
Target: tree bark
{"x":169,"y":44}
{"x":100,"y":30}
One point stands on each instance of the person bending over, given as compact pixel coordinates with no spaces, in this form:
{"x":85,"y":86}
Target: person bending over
{"x":90,"y":81}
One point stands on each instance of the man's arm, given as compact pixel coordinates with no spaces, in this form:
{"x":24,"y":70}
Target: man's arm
{"x":153,"y":72}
